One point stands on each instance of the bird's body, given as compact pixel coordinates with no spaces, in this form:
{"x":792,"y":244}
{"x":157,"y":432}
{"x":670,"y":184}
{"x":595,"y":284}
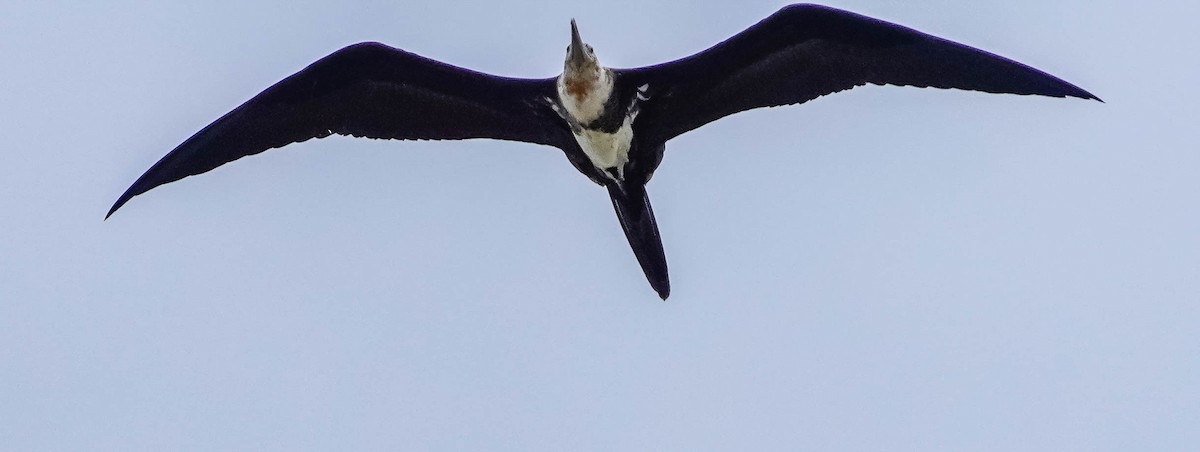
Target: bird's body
{"x":612,"y":124}
{"x":603,"y":129}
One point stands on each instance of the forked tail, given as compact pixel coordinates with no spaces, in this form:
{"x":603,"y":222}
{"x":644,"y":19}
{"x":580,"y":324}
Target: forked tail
{"x":637,"y":219}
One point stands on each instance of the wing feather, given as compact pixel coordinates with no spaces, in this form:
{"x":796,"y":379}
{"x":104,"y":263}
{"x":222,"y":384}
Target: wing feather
{"x":367,"y":90}
{"x":806,"y":51}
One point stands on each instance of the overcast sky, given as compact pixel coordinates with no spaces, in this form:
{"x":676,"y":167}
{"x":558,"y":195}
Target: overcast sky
{"x":882,"y":269}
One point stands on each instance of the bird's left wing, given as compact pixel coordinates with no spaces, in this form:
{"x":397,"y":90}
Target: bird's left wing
{"x":806,"y":51}
{"x":367,"y":90}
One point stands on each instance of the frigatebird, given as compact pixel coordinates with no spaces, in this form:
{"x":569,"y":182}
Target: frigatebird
{"x":612,"y":124}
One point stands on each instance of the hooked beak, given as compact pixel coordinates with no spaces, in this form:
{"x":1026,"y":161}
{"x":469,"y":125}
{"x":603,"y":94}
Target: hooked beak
{"x":578,"y":55}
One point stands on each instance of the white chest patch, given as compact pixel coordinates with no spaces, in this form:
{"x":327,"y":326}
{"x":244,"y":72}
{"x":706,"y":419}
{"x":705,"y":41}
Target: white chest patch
{"x":608,"y":150}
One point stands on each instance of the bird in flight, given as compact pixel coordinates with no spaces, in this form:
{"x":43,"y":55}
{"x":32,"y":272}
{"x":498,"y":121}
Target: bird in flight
{"x":612,"y":124}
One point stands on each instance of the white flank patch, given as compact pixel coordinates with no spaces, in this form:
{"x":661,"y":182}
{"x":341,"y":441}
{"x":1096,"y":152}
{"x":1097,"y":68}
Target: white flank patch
{"x":641,"y":94}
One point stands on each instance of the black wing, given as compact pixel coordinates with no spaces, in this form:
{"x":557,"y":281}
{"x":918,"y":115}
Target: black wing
{"x":367,"y":90}
{"x":806,"y":51}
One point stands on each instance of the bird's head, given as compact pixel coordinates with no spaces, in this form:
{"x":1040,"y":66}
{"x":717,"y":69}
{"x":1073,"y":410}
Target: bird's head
{"x":581,"y":63}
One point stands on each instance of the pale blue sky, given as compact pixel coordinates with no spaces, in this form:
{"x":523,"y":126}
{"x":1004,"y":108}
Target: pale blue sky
{"x":883,"y":269}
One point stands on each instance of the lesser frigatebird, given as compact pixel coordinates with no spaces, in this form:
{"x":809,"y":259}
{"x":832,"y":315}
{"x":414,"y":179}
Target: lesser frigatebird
{"x":611,"y":123}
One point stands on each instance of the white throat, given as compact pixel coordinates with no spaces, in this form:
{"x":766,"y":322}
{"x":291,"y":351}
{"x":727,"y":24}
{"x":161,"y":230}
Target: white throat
{"x":585,"y":105}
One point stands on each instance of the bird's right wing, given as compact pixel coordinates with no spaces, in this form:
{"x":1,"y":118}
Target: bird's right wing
{"x":368,"y":90}
{"x":806,"y":51}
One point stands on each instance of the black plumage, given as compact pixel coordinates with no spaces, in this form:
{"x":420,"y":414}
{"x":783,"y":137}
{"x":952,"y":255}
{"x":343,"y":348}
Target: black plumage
{"x":797,"y":54}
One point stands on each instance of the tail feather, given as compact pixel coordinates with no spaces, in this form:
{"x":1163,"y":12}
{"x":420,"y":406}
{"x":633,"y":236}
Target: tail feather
{"x":637,"y":219}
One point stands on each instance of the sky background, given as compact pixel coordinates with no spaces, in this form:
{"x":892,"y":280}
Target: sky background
{"x":882,"y":269}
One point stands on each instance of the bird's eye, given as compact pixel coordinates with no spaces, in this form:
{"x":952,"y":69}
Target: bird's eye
{"x":589,"y":47}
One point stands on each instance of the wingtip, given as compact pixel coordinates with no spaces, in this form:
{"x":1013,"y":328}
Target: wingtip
{"x":1084,"y":94}
{"x":117,"y":205}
